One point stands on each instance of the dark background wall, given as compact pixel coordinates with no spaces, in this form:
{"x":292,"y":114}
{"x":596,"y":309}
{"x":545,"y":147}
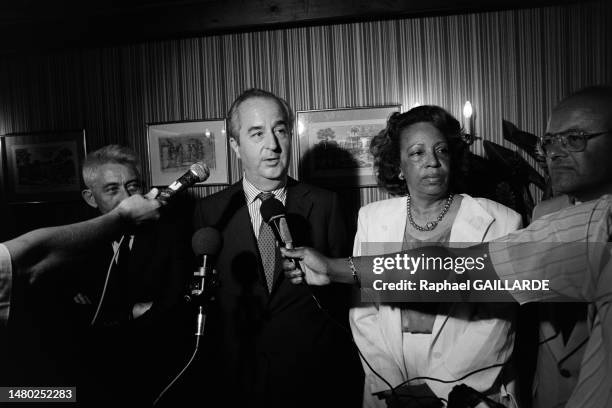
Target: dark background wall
{"x":512,"y":65}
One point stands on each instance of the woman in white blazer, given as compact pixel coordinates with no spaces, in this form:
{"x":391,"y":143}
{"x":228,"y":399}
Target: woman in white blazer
{"x":418,"y":157}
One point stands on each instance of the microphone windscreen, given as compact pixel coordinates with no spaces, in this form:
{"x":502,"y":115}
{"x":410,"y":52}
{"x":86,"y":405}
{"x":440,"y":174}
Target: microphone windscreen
{"x":271,"y":208}
{"x":200,"y":169}
{"x":206,"y":241}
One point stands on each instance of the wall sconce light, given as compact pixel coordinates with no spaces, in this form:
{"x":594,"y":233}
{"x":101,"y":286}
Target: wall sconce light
{"x":467,"y":115}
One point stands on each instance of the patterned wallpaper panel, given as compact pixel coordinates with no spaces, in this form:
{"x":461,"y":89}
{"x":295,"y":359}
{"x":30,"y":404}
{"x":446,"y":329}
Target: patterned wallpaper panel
{"x":512,"y":65}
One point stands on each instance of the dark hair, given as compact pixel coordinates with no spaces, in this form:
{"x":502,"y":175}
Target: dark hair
{"x":232,"y":129}
{"x":385,"y":147}
{"x":108,"y":154}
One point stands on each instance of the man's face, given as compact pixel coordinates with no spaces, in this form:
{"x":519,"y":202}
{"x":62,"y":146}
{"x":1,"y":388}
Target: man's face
{"x":113,"y":183}
{"x":265,"y":142}
{"x":586,"y":174}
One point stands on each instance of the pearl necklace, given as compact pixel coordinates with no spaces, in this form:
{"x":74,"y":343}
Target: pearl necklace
{"x":431,"y":225}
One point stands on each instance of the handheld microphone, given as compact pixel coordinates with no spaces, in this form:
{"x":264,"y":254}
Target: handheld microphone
{"x":206,"y":242}
{"x":197,"y":173}
{"x":274,"y":214}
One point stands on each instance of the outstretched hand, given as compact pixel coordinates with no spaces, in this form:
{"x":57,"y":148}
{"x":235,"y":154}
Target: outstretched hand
{"x":138,"y":209}
{"x":315,"y":266}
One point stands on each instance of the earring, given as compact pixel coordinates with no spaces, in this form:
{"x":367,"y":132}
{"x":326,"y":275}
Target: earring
{"x":400,"y":175}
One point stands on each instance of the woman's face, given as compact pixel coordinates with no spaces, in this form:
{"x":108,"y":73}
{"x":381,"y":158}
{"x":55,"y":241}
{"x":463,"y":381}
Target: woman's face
{"x":425,"y":160}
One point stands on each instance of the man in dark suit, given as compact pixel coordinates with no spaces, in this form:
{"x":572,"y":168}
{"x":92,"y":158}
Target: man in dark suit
{"x":132,"y":298}
{"x":268,"y":342}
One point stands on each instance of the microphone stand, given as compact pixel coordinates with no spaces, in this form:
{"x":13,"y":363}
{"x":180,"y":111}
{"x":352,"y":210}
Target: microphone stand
{"x":202,"y":293}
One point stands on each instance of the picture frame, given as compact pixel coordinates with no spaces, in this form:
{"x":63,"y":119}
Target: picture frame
{"x":43,"y":166}
{"x":174,"y":146}
{"x":334,"y":144}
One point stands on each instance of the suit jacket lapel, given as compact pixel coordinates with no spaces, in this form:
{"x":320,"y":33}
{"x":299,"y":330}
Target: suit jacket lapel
{"x":240,"y":226}
{"x":298,"y":200}
{"x":471,"y":225}
{"x":142,"y":245}
{"x":553,"y":340}
{"x":299,"y":204}
{"x":472,"y":222}
{"x":397,"y":229}
{"x":138,"y":247}
{"x":556,"y":346}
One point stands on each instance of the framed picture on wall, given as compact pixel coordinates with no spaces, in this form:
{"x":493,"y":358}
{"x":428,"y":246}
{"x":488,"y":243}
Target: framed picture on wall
{"x":334,"y":144}
{"x":43,"y":166}
{"x":174,"y":146}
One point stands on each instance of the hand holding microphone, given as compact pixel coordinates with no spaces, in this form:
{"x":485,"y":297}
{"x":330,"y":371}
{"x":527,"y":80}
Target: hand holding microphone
{"x":138,"y":209}
{"x":197,"y":173}
{"x":274,"y":214}
{"x":314,"y":266}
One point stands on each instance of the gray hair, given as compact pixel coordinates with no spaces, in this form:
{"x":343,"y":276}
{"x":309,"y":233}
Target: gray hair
{"x":108,"y":154}
{"x":232,"y":114}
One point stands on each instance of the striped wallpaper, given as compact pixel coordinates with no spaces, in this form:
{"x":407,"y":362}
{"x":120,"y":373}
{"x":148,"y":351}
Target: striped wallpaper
{"x":513,"y":65}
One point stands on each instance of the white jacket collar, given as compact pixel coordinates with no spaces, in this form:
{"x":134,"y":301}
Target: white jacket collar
{"x":471,"y":223}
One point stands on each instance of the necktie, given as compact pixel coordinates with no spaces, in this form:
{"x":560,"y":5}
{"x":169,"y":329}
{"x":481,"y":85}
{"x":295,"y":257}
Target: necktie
{"x":267,"y":246}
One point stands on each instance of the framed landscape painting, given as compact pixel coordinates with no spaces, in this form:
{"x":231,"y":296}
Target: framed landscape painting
{"x":334,"y":144}
{"x":43,"y":166}
{"x":174,"y":146}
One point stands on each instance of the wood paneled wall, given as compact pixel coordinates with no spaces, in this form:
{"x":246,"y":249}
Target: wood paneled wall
{"x":512,"y":65}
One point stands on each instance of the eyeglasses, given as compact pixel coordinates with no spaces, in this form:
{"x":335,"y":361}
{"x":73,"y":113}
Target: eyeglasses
{"x":572,"y":141}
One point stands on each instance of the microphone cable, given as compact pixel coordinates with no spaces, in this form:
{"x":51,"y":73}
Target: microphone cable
{"x":199,"y":332}
{"x":347,"y":332}
{"x":193,"y":355}
{"x":452,"y":381}
{"x":108,"y":273}
{"x":504,"y":364}
{"x":393,"y":389}
{"x":480,"y":395}
{"x":551,"y":338}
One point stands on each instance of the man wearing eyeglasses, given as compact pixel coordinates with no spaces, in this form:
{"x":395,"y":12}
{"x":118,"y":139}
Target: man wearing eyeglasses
{"x":578,"y":150}
{"x":578,"y":144}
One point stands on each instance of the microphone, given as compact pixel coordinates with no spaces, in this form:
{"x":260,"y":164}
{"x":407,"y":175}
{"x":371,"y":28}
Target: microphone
{"x":197,"y":173}
{"x":274,"y":214}
{"x":206,"y":242}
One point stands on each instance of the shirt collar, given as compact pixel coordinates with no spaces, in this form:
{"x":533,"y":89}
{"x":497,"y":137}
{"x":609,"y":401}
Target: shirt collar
{"x":251,"y":192}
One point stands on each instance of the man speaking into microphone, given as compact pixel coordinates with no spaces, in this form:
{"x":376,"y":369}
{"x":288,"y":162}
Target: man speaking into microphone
{"x":269,"y":344}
